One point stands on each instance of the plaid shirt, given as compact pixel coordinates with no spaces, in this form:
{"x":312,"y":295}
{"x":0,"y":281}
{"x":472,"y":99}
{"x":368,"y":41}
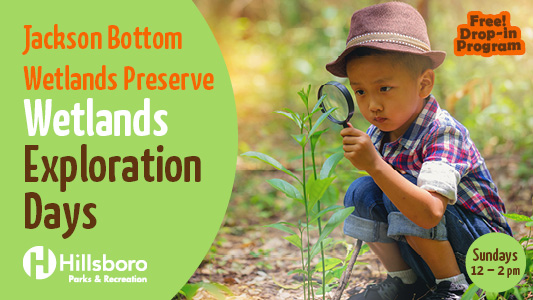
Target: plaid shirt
{"x":437,"y":150}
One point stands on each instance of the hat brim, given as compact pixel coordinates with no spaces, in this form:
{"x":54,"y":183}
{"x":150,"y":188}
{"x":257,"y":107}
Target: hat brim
{"x":338,"y":67}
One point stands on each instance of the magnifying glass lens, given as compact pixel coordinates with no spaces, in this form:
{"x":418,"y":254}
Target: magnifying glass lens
{"x":335,"y":98}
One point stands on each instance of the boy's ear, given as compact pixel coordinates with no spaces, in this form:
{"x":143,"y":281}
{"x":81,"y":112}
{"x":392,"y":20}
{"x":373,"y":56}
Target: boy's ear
{"x":426,"y":81}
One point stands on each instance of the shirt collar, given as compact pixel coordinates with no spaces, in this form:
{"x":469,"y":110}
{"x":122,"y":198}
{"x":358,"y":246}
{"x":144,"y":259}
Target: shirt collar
{"x":426,"y":116}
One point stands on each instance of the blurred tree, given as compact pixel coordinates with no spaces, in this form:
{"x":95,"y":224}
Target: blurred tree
{"x":273,"y":48}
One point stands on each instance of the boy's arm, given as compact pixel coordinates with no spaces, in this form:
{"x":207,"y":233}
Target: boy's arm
{"x":423,"y":208}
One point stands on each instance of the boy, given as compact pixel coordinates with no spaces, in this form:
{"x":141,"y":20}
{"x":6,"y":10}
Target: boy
{"x":429,"y":194}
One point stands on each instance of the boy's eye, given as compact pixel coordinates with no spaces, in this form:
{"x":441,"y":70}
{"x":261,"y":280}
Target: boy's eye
{"x":385,"y":88}
{"x":359,"y":92}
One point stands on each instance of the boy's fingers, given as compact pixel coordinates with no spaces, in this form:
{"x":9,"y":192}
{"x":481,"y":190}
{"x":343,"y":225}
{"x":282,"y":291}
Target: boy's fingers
{"x":349,"y":148}
{"x":350,"y":125}
{"x":349,"y":140}
{"x":351,"y":131}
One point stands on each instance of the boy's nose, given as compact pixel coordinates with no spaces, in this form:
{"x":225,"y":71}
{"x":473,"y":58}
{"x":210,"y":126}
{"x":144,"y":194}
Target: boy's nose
{"x":375,"y":105}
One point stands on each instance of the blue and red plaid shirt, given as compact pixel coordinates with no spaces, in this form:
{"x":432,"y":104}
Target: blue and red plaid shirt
{"x":437,"y":150}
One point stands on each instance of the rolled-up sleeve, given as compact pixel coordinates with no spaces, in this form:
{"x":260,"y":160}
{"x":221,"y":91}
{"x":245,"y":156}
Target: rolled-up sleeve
{"x":446,"y":161}
{"x":439,"y":177}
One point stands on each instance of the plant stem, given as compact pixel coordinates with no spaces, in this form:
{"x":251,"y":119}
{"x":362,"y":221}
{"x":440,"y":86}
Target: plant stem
{"x":309,"y":287}
{"x":322,"y":254}
{"x":319,"y":221}
{"x":302,"y":255}
{"x":348,"y":271}
{"x":321,"y":243}
{"x":525,"y":250}
{"x":529,"y":236}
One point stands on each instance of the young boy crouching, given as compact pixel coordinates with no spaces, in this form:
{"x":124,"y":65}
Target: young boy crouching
{"x":429,"y":194}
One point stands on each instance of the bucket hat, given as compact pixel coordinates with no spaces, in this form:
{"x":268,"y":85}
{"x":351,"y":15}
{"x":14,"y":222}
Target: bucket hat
{"x":391,"y":26}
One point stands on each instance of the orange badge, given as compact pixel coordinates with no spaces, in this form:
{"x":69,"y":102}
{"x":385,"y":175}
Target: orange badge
{"x":488,"y":35}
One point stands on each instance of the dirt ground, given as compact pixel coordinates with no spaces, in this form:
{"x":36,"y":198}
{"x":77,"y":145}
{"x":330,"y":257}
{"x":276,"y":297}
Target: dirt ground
{"x":253,"y":261}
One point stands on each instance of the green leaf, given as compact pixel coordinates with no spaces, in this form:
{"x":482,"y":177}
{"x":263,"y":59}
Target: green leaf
{"x":306,"y":118}
{"x":325,"y":243}
{"x":491,"y":295}
{"x":297,"y":271}
{"x":329,"y":264}
{"x":329,"y":165}
{"x":216,"y":289}
{"x":222,"y":287}
{"x":288,"y":224}
{"x":311,"y":227}
{"x":470,"y":292}
{"x":307,"y":93}
{"x":281,"y":227}
{"x":337,"y":218}
{"x":331,"y":196}
{"x":327,"y":287}
{"x":518,"y":217}
{"x":304,"y":124}
{"x":524,"y":239}
{"x":189,"y":290}
{"x":325,"y":211}
{"x":285,"y":187}
{"x":316,"y":189}
{"x":295,"y":240}
{"x":295,"y":118}
{"x":337,"y":273}
{"x":269,"y":160}
{"x":300,"y":138}
{"x":517,"y":293}
{"x":317,"y":105}
{"x":315,"y":137}
{"x":320,"y":120}
{"x":304,"y":98}
{"x":364,"y":249}
{"x":298,"y":118}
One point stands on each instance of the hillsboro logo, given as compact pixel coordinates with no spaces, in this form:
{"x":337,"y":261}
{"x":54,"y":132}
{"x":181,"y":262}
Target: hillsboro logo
{"x":40,"y":263}
{"x":44,"y":262}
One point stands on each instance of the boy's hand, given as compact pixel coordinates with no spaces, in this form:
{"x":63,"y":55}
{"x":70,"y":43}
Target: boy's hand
{"x":358,"y":149}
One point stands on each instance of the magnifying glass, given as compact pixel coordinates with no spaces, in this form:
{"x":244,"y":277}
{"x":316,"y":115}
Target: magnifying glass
{"x":337,"y":95}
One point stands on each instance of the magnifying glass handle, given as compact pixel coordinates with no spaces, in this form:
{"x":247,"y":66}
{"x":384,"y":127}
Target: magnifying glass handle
{"x":345,"y":125}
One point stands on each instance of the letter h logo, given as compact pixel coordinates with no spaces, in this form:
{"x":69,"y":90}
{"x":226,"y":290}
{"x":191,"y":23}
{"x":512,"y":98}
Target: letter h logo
{"x":37,"y":255}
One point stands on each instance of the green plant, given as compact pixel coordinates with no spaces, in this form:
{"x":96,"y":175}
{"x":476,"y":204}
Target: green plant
{"x":309,"y":191}
{"x":525,"y":289}
{"x":261,"y":254}
{"x":189,"y":290}
{"x":335,"y":267}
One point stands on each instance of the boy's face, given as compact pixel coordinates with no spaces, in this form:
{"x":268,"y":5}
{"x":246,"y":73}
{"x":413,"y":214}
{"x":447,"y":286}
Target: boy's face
{"x":387,"y":95}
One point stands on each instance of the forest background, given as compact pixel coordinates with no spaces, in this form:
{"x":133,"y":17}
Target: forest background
{"x":274,"y":48}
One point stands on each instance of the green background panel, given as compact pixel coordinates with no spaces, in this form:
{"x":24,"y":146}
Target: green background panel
{"x":168,"y":224}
